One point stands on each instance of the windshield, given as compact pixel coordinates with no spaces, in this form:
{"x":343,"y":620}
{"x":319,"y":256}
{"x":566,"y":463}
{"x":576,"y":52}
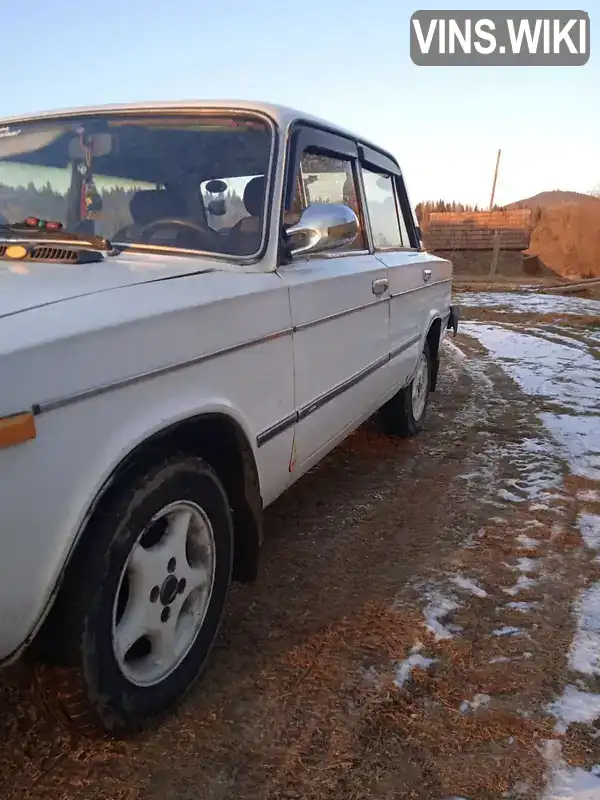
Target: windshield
{"x":177,"y":181}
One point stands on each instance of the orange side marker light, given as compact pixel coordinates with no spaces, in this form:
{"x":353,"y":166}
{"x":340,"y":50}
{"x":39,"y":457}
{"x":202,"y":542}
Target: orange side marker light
{"x":17,"y":429}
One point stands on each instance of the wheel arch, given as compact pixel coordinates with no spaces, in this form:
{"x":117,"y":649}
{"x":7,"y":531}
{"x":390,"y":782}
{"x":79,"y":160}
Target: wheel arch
{"x":221,"y":441}
{"x":433,"y":340}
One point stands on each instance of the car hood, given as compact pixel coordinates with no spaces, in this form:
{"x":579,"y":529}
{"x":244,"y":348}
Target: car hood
{"x":26,"y":285}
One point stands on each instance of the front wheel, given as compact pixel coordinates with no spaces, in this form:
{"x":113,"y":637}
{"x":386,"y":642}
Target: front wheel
{"x":404,"y":415}
{"x":145,"y":598}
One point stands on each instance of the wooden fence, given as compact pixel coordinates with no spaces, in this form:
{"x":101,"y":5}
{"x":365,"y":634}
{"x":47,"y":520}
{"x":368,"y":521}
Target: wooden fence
{"x":478,"y":230}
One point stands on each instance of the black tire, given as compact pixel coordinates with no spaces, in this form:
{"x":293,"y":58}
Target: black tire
{"x":397,"y":414}
{"x":92,"y":693}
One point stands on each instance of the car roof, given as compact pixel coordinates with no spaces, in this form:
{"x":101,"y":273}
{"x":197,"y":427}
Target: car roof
{"x":283,"y":116}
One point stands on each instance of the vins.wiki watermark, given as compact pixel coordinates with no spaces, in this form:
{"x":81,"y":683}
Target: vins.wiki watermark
{"x":500,"y":38}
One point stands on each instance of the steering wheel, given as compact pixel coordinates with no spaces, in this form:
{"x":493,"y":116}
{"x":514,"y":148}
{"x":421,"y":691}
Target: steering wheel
{"x":174,"y":221}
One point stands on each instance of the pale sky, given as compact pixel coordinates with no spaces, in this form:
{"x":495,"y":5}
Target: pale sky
{"x":346,"y":62}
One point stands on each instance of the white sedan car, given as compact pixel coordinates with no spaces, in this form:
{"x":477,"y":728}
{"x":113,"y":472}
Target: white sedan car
{"x":198,"y":301}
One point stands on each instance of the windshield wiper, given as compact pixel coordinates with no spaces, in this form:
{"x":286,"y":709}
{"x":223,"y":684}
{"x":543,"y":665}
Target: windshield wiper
{"x":33,"y":231}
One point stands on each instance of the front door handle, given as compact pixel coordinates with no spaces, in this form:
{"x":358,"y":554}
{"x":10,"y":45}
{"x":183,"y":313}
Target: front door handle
{"x":426,"y":275}
{"x":380,"y":285}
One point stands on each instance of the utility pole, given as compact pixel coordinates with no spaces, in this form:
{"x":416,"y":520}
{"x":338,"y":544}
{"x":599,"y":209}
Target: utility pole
{"x":495,"y":179}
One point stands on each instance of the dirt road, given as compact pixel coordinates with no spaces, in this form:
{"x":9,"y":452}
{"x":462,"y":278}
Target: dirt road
{"x":411,"y":634}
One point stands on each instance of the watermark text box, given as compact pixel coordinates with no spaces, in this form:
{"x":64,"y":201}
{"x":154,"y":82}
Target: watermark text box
{"x":500,"y":38}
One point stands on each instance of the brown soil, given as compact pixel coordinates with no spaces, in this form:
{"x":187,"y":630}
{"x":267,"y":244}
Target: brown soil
{"x":299,"y":701}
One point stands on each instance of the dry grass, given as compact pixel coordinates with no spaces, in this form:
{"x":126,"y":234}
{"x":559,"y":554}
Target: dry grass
{"x":469,"y":754}
{"x":476,"y":754}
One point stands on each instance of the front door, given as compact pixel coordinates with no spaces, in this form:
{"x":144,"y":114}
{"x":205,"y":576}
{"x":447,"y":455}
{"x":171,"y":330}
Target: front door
{"x":339,"y":307}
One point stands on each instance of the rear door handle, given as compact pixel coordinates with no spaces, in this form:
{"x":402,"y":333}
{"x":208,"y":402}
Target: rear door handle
{"x":426,"y":275}
{"x":380,"y":285}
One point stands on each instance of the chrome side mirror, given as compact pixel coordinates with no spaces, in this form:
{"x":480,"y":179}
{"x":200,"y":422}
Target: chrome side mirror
{"x":322,"y":227}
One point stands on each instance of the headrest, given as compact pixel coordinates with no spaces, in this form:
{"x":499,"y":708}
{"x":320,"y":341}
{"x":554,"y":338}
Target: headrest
{"x":254,"y":196}
{"x":151,"y":204}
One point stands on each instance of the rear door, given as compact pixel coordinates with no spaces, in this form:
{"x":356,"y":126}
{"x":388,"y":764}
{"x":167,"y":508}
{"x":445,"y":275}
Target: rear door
{"x":339,"y":304}
{"x":419,"y":283}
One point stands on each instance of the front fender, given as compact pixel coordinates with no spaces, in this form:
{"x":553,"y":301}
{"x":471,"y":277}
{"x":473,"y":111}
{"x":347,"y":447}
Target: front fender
{"x":49,"y":486}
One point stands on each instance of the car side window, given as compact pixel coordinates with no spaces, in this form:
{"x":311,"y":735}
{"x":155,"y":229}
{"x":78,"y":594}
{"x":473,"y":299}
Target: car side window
{"x":327,"y":179}
{"x":387,"y":224}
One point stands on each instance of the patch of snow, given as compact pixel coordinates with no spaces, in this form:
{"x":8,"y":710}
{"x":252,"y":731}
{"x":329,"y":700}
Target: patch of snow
{"x":506,"y":630}
{"x":557,"y":529}
{"x":455,"y":797}
{"x":521,"y":606}
{"x":574,"y":706}
{"x":589,"y":527}
{"x":527,"y":542}
{"x":573,"y":783}
{"x":589,"y":496}
{"x":454,"y":349}
{"x":469,"y":586}
{"x":584,"y":653}
{"x":370,"y":676}
{"x":493,"y":503}
{"x":537,"y":472}
{"x":507,"y":659}
{"x":478,"y":701}
{"x":415,"y":659}
{"x":525,"y":303}
{"x":567,"y":339}
{"x":542,"y":368}
{"x":520,"y":788}
{"x":471,"y":539}
{"x":549,"y":370}
{"x":483,"y":476}
{"x":504,"y":494}
{"x":436,"y":610}
{"x":565,"y":782}
{"x":579,"y":437}
{"x":523,"y":583}
{"x":527,"y":564}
